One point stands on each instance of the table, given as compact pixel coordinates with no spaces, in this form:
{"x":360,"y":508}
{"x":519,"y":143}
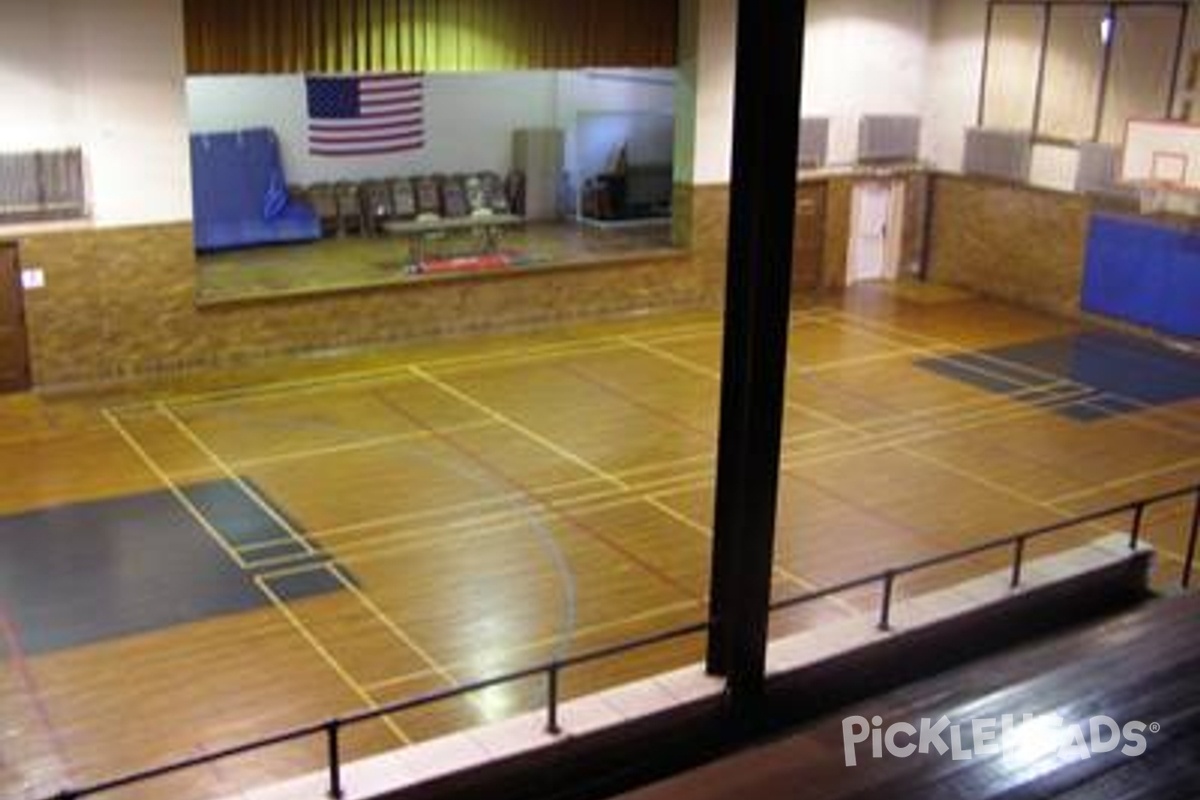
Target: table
{"x":419,"y":231}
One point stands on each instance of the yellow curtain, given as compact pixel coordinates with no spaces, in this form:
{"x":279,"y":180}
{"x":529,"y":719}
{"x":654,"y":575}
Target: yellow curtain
{"x":287,"y":36}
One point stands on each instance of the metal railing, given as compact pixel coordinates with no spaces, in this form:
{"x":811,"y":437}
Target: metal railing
{"x":551,"y":670}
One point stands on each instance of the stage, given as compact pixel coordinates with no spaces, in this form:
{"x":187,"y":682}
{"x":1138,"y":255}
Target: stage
{"x":357,"y":262}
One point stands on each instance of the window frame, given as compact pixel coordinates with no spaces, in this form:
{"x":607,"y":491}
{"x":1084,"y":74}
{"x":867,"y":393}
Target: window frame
{"x":1114,"y":7}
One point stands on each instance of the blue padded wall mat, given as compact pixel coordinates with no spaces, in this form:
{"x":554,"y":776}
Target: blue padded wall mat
{"x":1143,"y":272}
{"x":237,"y":178}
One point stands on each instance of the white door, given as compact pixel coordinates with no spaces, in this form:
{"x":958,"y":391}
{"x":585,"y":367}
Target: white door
{"x":875,"y":223}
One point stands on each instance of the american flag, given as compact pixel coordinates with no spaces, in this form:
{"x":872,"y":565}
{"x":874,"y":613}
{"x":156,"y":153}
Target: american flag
{"x":364,"y":116}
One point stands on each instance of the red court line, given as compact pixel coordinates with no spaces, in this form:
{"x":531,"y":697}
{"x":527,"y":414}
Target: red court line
{"x":525,"y":490}
{"x":9,"y":633}
{"x":617,"y":391}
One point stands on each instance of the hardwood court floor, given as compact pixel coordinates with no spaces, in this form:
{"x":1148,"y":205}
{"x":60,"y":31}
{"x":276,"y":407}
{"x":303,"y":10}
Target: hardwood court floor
{"x":269,"y":547}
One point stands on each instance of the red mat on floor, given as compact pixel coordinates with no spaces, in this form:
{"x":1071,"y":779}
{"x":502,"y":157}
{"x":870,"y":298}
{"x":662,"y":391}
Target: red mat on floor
{"x":476,"y":263}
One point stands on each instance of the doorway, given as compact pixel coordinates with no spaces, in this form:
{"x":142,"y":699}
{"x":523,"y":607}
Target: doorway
{"x":876,"y":225}
{"x":14,"y":340}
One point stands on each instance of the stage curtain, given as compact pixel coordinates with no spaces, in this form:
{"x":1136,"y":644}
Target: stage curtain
{"x":288,"y":36}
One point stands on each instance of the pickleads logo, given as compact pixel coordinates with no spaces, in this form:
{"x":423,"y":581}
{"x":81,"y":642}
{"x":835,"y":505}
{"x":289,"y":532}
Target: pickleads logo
{"x":1025,"y":739}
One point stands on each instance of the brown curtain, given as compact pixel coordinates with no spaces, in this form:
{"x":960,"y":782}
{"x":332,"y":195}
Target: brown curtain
{"x":288,"y":36}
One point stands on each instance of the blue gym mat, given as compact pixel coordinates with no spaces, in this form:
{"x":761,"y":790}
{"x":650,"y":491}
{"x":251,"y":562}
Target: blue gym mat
{"x":1108,"y":374}
{"x":88,"y":572}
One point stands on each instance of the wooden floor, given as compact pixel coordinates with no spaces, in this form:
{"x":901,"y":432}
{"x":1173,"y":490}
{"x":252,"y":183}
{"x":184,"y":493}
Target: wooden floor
{"x":474,"y":507}
{"x":1138,"y":667}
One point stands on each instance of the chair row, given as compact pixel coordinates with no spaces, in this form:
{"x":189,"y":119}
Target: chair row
{"x":350,"y":207}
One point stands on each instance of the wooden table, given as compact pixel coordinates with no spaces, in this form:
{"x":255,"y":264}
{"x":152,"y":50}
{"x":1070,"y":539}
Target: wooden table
{"x":419,"y":231}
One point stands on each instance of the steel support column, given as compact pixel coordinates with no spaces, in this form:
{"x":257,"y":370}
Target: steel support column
{"x":762,"y":205}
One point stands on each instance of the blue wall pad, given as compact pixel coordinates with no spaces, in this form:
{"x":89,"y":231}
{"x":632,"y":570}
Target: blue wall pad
{"x":1110,"y":374}
{"x":239,"y":193}
{"x":88,"y":572}
{"x":1143,"y":272}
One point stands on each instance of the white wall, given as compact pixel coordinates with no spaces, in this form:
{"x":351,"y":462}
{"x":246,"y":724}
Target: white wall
{"x":469,"y":119}
{"x":954,"y":71}
{"x":954,"y":65}
{"x":613,"y":104}
{"x":716,"y":28}
{"x":107,"y":77}
{"x":860,"y":57}
{"x":955,"y":68}
{"x":864,"y":57}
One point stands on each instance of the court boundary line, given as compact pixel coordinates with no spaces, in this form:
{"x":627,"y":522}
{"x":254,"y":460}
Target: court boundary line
{"x":889,"y":331}
{"x":353,"y":446}
{"x":666,"y":355}
{"x":175,"y":490}
{"x":1129,"y":479}
{"x":322,"y":651}
{"x":310,"y":550}
{"x":500,"y":517}
{"x":515,"y":353}
{"x":512,"y":424}
{"x":250,"y":492}
{"x":249,"y":568}
{"x":544,"y":641}
{"x":789,"y":575}
{"x":565,"y":515}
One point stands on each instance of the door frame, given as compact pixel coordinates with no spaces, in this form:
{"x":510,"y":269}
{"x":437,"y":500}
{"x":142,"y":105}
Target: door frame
{"x":12,"y":250}
{"x":893,"y":242}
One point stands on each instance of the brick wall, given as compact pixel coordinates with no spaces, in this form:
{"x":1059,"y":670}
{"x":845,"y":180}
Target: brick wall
{"x":120,"y":303}
{"x":1016,"y":243}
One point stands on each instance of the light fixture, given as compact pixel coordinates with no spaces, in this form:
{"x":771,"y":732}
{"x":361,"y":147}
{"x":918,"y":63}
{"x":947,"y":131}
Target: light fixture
{"x":1106,"y":27}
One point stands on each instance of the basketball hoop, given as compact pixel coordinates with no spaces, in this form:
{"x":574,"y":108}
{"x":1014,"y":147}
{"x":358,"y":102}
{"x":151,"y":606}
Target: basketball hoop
{"x":1157,"y":199}
{"x":1160,"y":159}
{"x":1152,"y":199}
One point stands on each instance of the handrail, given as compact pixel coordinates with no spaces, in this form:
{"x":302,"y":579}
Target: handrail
{"x":551,"y":669}
{"x":1136,"y":506}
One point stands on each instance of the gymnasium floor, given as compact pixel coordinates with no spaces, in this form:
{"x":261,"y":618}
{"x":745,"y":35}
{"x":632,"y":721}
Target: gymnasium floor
{"x":188,"y":566}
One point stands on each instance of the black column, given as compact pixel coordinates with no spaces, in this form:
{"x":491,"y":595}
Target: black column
{"x":762,"y":205}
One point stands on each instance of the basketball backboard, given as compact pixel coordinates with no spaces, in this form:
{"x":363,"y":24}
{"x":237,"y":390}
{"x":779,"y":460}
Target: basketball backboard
{"x":1161,"y":155}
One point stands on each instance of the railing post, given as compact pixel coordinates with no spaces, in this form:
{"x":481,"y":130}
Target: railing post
{"x":885,"y":610}
{"x":1135,"y":532}
{"x":552,"y":726}
{"x":332,"y":728}
{"x":1018,"y":558}
{"x":1191,"y":548}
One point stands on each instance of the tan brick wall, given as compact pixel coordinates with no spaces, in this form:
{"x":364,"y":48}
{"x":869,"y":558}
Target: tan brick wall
{"x":120,"y":303}
{"x":1017,"y":243}
{"x":710,"y":227}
